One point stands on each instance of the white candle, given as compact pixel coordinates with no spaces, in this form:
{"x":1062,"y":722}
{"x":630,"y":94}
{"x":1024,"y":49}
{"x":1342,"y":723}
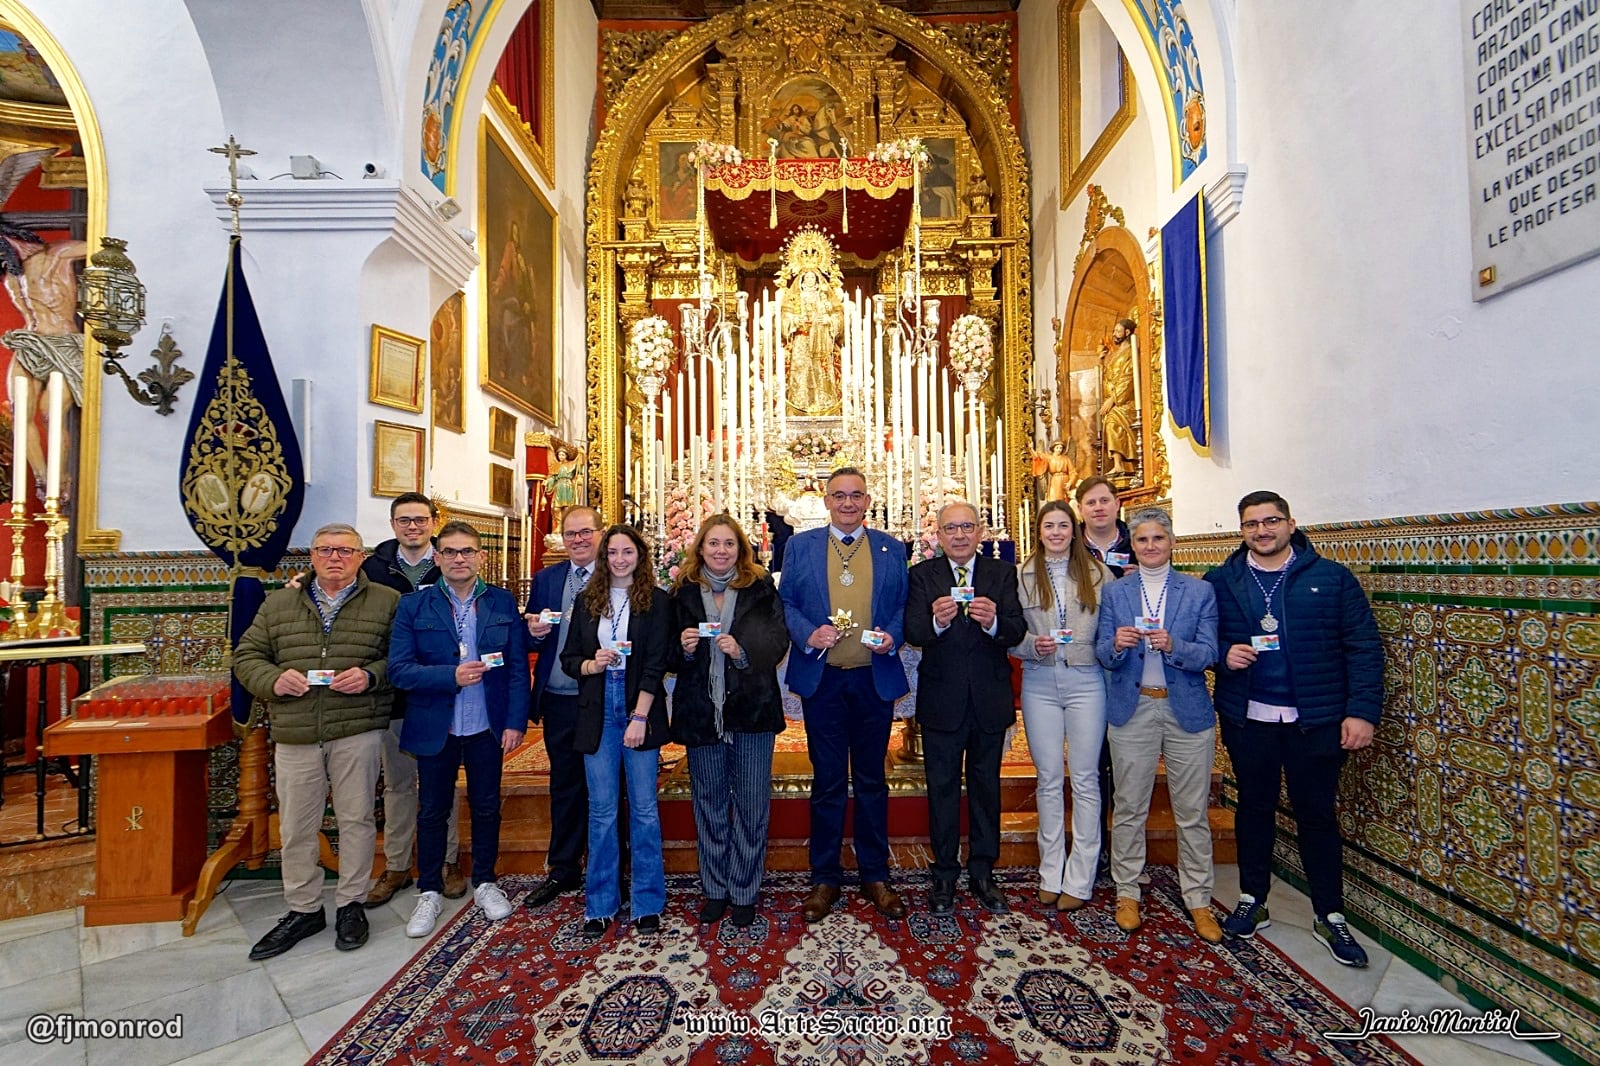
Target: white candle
{"x":21,"y":393}
{"x":58,"y":410}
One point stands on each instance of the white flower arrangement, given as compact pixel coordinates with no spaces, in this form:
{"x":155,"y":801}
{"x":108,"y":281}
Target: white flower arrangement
{"x":710,"y":154}
{"x":971,"y":349}
{"x":905,"y":150}
{"x":650,"y":347}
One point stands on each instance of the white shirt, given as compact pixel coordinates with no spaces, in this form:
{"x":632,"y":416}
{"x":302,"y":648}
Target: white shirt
{"x":972,"y":574}
{"x":1154,"y":605}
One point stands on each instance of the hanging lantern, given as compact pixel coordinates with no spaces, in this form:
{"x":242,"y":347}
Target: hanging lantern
{"x":111,"y":297}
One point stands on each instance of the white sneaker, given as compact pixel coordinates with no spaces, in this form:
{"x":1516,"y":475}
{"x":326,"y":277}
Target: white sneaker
{"x":492,"y":900}
{"x":426,"y":914}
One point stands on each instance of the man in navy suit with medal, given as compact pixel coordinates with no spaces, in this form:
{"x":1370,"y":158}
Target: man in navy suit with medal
{"x":555,"y":701}
{"x":844,"y":590}
{"x":964,"y":613}
{"x":1300,"y":685}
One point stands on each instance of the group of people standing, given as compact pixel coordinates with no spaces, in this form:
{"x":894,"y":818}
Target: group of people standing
{"x":1114,"y":646}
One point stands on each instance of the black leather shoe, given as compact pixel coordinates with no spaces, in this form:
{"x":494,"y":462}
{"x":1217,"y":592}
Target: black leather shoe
{"x":988,"y":894}
{"x":942,"y":897}
{"x":743,"y":914}
{"x":650,"y":923}
{"x":547,"y":890}
{"x":290,"y":930}
{"x":712,"y":909}
{"x":350,"y":927}
{"x":595,"y":928}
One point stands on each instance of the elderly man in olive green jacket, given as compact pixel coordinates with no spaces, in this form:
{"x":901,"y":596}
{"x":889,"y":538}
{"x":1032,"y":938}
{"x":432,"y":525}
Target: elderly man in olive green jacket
{"x":318,"y":657}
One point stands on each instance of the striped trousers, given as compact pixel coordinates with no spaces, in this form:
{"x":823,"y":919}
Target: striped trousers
{"x":732,"y":789}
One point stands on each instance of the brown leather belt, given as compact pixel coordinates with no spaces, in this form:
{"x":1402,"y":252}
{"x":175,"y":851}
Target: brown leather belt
{"x":1154,"y":693}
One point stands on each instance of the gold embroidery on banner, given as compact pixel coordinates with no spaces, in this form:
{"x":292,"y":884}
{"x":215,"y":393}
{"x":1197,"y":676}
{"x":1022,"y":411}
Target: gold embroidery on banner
{"x":236,"y":485}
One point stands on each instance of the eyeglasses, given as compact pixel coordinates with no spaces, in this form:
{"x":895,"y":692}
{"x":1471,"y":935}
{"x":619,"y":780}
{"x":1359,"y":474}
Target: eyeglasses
{"x":458,"y":553}
{"x":953,"y":528}
{"x":578,"y":534}
{"x":847,"y":497}
{"x":404,"y":520}
{"x":324,"y":551}
{"x":1271,"y":522}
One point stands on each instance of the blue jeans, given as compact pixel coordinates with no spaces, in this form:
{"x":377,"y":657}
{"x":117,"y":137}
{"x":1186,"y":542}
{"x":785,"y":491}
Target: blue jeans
{"x":436,"y":786}
{"x":604,"y":770}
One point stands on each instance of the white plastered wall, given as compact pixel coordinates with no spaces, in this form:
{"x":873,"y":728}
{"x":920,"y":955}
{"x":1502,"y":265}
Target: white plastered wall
{"x":1351,"y":370}
{"x":323,"y":258}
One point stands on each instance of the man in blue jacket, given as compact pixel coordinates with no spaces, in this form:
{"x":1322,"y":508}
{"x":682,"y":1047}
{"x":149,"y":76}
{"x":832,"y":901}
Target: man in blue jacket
{"x":1300,"y":685}
{"x":460,"y":650}
{"x":841,"y":584}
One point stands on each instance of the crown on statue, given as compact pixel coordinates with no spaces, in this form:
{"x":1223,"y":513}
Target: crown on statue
{"x":809,"y":249}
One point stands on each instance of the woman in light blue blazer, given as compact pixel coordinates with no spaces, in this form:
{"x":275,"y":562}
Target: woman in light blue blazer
{"x":1156,"y":637}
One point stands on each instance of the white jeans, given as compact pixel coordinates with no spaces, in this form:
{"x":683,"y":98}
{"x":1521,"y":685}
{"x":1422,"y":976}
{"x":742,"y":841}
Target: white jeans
{"x":1066,"y":705}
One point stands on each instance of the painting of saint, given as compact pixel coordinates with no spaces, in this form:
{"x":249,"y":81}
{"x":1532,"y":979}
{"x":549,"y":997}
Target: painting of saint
{"x":444,"y":355}
{"x":519,"y":306}
{"x":808,"y":120}
{"x":939,"y":180}
{"x":675,"y":196}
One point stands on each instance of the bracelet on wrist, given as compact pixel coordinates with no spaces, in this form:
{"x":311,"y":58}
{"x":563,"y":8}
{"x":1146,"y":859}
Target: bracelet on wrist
{"x":638,"y":718}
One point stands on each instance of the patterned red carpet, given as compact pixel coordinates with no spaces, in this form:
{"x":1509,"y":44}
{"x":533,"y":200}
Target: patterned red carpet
{"x":1029,"y":987}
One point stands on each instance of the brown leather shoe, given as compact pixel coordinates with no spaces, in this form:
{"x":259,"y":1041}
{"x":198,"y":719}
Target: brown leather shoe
{"x":819,"y":903}
{"x":455,"y":882}
{"x":886,"y":899}
{"x":1128,"y":914}
{"x":1205,"y":925}
{"x":1048,"y":898}
{"x":391,"y":882}
{"x":1069,"y":902}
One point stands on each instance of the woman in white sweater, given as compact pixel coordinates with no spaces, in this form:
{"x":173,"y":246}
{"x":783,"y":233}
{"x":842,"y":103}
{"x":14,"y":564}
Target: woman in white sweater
{"x":1063,"y":699}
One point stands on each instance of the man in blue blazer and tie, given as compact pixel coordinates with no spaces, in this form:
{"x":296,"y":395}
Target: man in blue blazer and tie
{"x":1156,"y":638}
{"x":844,"y":594}
{"x":459,"y":649}
{"x":555,"y":702}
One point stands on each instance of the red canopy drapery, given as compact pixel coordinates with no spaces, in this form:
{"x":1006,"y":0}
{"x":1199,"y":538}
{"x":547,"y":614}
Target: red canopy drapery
{"x":739,"y":200}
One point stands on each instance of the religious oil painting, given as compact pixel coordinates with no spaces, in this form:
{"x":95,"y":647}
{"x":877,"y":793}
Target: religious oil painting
{"x":519,"y":304}
{"x":396,"y":458}
{"x":675,"y":192}
{"x":445,"y":359}
{"x":808,"y":120}
{"x":502,"y":433}
{"x":395,"y":379}
{"x":939,"y":180}
{"x":501,"y":481}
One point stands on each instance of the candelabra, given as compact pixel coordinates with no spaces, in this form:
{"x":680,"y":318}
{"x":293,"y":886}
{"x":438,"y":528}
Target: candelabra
{"x":52,"y":620}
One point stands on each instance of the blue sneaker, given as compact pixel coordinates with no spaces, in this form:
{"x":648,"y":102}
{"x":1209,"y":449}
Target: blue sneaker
{"x":1341,"y":944}
{"x":1246,"y":918}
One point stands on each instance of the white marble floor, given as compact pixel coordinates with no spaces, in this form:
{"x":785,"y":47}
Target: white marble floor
{"x":282,"y":1010}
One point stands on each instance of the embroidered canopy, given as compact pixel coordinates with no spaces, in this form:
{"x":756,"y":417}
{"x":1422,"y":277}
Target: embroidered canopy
{"x":866,"y":218}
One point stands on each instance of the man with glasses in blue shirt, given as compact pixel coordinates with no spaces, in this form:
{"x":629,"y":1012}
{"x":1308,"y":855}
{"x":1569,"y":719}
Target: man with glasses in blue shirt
{"x":555,"y":701}
{"x":1299,"y":687}
{"x":405,"y":562}
{"x":844,"y":593}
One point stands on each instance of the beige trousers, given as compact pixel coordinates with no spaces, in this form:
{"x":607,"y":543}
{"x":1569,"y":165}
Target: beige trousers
{"x":306,"y":773}
{"x":1150,"y":734}
{"x":400,"y":806}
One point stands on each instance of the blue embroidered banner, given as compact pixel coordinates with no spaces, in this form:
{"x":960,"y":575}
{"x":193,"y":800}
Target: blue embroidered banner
{"x":1183,"y":270}
{"x":242,"y":483}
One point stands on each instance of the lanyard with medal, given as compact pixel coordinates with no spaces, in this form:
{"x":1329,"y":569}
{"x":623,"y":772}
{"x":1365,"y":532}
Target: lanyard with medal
{"x":1269,"y":624}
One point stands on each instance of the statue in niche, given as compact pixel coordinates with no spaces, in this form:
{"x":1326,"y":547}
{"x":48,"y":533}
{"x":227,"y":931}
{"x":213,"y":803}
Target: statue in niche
{"x":1054,"y":472}
{"x":812,"y":323}
{"x":564,"y":480}
{"x":1118,"y":396}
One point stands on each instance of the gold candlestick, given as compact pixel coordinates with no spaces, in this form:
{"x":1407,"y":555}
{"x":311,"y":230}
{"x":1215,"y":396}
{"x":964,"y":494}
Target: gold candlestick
{"x":52,"y":618}
{"x":12,"y":589}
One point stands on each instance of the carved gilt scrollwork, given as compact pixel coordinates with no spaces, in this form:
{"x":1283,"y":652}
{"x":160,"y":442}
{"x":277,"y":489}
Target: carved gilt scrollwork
{"x":624,"y":52}
{"x":989,"y":45}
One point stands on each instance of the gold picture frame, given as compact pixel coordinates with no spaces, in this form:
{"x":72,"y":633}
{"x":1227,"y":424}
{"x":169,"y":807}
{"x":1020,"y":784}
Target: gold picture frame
{"x":395,"y":378}
{"x":502,"y":433}
{"x":397,"y":452}
{"x":1078,"y":164}
{"x":445,"y":352}
{"x":519,"y":313}
{"x":502,"y":480}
